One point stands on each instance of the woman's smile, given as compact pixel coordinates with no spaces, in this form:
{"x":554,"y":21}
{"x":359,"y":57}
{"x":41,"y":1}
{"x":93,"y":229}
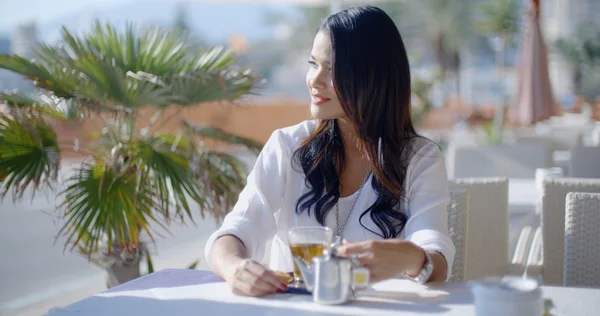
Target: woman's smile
{"x":318,"y":99}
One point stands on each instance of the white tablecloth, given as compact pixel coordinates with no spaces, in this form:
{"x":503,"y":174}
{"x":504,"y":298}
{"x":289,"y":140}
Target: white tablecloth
{"x":187,"y":292}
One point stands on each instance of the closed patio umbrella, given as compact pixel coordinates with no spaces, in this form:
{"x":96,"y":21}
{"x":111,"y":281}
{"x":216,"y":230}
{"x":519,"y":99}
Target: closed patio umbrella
{"x":533,"y":101}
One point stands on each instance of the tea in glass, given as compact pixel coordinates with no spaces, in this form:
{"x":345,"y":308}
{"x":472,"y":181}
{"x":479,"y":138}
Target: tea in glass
{"x":307,"y":243}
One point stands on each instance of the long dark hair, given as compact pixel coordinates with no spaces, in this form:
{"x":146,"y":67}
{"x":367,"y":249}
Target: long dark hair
{"x":371,"y":77}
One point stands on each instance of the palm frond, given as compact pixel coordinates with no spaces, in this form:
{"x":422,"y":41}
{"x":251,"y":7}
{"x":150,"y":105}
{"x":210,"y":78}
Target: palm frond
{"x":193,"y":265}
{"x":153,"y":50}
{"x":500,"y":17}
{"x":222,"y":178}
{"x":18,"y":100}
{"x":29,"y":154}
{"x":107,"y":204}
{"x":149,"y":263}
{"x":42,"y":104}
{"x":220,"y":135}
{"x":209,"y":77}
{"x":217,"y":58}
{"x":166,"y":159}
{"x":49,"y":77}
{"x":202,"y":87}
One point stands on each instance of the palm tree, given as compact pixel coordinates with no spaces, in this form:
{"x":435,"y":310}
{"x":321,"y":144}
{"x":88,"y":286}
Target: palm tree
{"x":500,"y":18}
{"x":136,"y":178}
{"x":582,"y":51}
{"x":447,"y":30}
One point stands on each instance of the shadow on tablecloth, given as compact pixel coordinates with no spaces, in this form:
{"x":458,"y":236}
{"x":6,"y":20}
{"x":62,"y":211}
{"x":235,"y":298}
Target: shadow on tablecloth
{"x":167,"y":278}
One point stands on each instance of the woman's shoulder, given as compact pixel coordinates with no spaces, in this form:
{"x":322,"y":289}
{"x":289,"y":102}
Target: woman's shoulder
{"x":291,"y":136}
{"x":426,"y":167}
{"x":421,"y":147}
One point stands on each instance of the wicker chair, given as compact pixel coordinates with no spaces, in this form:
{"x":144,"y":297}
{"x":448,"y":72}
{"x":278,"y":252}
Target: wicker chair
{"x":487,"y":251}
{"x":458,"y":210}
{"x":554,"y":193}
{"x":582,"y":240}
{"x":522,"y":249}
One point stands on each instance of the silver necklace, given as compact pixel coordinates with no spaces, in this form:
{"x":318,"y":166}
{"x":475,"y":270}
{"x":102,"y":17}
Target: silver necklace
{"x":340,"y":228}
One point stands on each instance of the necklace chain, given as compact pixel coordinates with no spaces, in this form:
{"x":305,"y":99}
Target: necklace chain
{"x":340,"y":228}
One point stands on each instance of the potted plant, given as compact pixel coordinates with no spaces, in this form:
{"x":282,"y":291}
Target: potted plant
{"x":138,"y":175}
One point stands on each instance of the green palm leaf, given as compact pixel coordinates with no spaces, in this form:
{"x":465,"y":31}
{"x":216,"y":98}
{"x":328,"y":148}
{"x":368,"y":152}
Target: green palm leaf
{"x":46,"y":105}
{"x":52,"y":78}
{"x":166,"y":160}
{"x":220,"y":135}
{"x":19,"y":100}
{"x":107,"y":204}
{"x":500,"y":17}
{"x":222,"y":178}
{"x":28,"y":154}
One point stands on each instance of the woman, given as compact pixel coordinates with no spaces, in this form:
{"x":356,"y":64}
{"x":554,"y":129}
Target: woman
{"x":359,"y":168}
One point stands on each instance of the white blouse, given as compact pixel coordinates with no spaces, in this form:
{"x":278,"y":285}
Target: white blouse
{"x":266,"y":206}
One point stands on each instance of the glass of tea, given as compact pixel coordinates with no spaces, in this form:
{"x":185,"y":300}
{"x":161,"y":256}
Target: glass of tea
{"x":307,"y":243}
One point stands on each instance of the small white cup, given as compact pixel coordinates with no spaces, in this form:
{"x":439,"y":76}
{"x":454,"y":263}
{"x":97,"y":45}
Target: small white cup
{"x":513,"y":296}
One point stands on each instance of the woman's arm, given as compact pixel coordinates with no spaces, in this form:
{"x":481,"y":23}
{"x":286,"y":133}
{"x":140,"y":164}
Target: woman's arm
{"x":440,"y":267}
{"x":231,"y":261}
{"x":426,"y":229}
{"x":233,"y":249}
{"x":427,"y":196}
{"x":393,"y":258}
{"x":227,"y":253}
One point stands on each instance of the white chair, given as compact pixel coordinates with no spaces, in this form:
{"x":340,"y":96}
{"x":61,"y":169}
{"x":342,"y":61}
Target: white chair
{"x":584,"y":162}
{"x":458,"y":210}
{"x":582,"y":240}
{"x":535,"y":259}
{"x":519,"y":260}
{"x":487,"y":251}
{"x":554,"y":193}
{"x":512,"y":161}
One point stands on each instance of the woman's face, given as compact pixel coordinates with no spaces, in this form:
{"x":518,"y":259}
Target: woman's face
{"x":324,"y":101}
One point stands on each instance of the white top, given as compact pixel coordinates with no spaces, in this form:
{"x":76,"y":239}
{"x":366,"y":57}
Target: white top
{"x":266,"y":206}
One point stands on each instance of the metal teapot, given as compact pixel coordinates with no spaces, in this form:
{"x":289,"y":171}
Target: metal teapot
{"x":332,"y":279}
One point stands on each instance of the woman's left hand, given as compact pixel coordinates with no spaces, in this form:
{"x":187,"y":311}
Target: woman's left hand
{"x":386,"y":259}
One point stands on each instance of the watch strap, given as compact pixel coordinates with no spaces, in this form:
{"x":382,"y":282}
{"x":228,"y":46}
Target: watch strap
{"x":426,"y":270}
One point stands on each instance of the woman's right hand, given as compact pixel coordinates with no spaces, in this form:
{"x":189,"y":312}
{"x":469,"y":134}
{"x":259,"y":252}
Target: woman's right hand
{"x":250,"y":278}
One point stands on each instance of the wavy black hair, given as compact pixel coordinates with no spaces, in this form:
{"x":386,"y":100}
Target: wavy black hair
{"x":371,"y":77}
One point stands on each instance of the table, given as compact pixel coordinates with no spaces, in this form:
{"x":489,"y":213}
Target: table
{"x":193,"y":292}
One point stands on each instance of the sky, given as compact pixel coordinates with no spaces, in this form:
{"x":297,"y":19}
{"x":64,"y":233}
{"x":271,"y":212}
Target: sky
{"x":213,"y":20}
{"x":44,"y":11}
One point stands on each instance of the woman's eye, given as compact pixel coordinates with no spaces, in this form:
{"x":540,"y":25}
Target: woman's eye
{"x":312,"y":63}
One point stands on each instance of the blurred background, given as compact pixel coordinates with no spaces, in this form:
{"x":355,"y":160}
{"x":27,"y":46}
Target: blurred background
{"x":465,"y":65}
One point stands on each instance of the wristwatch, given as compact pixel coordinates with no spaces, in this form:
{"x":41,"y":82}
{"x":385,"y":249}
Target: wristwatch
{"x":425,"y":272}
